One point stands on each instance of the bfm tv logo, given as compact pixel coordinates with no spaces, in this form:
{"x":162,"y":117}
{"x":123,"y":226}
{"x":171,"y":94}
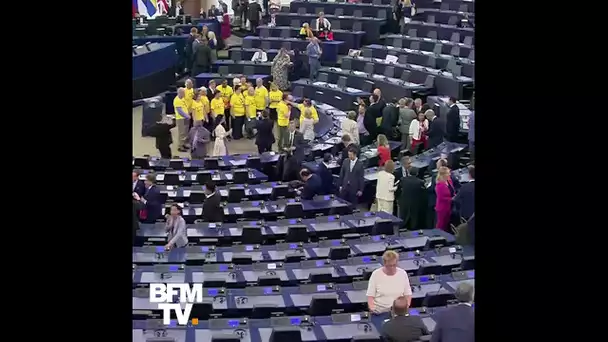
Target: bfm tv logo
{"x":163,"y":294}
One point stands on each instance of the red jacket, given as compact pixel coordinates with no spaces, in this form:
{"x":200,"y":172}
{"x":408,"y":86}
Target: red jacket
{"x":384,"y":155}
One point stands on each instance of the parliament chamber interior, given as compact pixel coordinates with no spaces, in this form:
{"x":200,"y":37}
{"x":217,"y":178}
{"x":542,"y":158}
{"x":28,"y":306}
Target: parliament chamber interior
{"x":281,"y":265}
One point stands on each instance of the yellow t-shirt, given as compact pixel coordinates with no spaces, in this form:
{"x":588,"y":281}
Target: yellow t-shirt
{"x":226,"y":94}
{"x":237,"y":102}
{"x":217,"y":107}
{"x":282,"y":112}
{"x":250,"y":103}
{"x":275,"y":95}
{"x":205,"y":102}
{"x":261,"y":94}
{"x":189,"y":98}
{"x":197,"y":111}
{"x":313,"y":112}
{"x":244,"y":88}
{"x":179,"y":103}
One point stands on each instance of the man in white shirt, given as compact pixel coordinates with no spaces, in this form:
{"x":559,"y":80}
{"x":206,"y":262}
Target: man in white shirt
{"x":388,"y":283}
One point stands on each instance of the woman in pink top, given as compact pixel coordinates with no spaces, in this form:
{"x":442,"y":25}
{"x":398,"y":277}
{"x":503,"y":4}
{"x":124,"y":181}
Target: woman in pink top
{"x":443,"y":204}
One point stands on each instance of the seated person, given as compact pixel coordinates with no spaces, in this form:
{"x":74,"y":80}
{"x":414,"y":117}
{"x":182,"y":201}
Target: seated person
{"x":260,"y":56}
{"x":402,"y":327}
{"x":305,"y":31}
{"x":388,"y":283}
{"x":312,"y":185}
{"x":323,"y":27}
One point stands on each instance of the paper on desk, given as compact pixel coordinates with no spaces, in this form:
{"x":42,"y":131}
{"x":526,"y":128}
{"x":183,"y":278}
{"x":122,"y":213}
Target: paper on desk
{"x":187,"y":193}
{"x":198,"y":211}
{"x":172,"y":194}
{"x":169,"y":187}
{"x":192,"y":177}
{"x":238,"y":210}
{"x":319,"y":83}
{"x":160,"y":177}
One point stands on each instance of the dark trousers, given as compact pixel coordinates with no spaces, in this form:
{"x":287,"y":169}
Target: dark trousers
{"x":228,"y":122}
{"x":262,"y":148}
{"x":349,"y":195}
{"x":272,"y":114}
{"x":199,"y":69}
{"x":165,"y":151}
{"x":253,"y":24}
{"x":237,"y":127}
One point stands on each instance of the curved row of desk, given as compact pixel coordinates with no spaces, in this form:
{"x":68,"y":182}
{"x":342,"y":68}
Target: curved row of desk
{"x":214,"y":233}
{"x":229,"y":275}
{"x":297,"y":255}
{"x":153,"y":69}
{"x":355,"y":326}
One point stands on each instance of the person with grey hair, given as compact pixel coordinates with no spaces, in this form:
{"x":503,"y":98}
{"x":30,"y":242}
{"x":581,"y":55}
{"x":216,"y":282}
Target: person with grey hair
{"x":182,"y":116}
{"x":436,"y":130}
{"x":314,"y":51}
{"x":457,"y":323}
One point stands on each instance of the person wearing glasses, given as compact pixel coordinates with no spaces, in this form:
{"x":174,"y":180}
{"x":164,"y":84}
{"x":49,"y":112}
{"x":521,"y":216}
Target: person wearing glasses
{"x":388,"y":283}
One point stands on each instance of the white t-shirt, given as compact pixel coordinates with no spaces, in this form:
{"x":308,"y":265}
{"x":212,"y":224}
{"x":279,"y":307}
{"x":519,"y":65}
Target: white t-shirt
{"x":385,"y":289}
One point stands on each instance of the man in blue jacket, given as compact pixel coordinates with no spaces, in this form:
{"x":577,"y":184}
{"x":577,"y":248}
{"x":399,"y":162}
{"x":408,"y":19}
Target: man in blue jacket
{"x":457,"y":323}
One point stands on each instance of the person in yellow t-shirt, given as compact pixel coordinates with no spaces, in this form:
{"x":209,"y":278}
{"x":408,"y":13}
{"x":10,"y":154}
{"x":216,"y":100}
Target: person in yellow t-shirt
{"x":261,"y":95}
{"x":275,"y":96}
{"x":217,"y":107}
{"x":251,"y":112}
{"x":189,"y":96}
{"x":302,"y":107}
{"x":205,"y":102}
{"x":182,"y":118}
{"x":283,"y":114}
{"x":227,"y":92}
{"x":244,"y":86}
{"x":237,"y":111}
{"x":198,"y":113}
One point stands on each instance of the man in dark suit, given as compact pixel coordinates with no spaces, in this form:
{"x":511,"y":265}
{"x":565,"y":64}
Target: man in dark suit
{"x":202,"y":57}
{"x":412,"y":200}
{"x":436,"y":130}
{"x":213,"y":12}
{"x":342,"y":149}
{"x":390,"y":117}
{"x":465,"y":199}
{"x":294,"y":146}
{"x":452,"y":127}
{"x":212,"y":207}
{"x":152,"y":201}
{"x":402,"y":327}
{"x":312,"y":185}
{"x":371,"y":113}
{"x":161,"y":131}
{"x":324,"y":173}
{"x":351,"y":177}
{"x":138,"y":185}
{"x":457,"y":323}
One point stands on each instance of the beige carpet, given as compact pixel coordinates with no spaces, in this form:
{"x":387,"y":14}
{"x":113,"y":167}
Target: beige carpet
{"x":145,"y":145}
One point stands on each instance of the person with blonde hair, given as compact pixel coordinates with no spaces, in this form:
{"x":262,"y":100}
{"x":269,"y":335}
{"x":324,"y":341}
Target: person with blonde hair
{"x":349,"y":126}
{"x":388,"y":283}
{"x":305,"y":31}
{"x":385,"y":188}
{"x":307,"y":125}
{"x":384,"y":150}
{"x":444,"y":190}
